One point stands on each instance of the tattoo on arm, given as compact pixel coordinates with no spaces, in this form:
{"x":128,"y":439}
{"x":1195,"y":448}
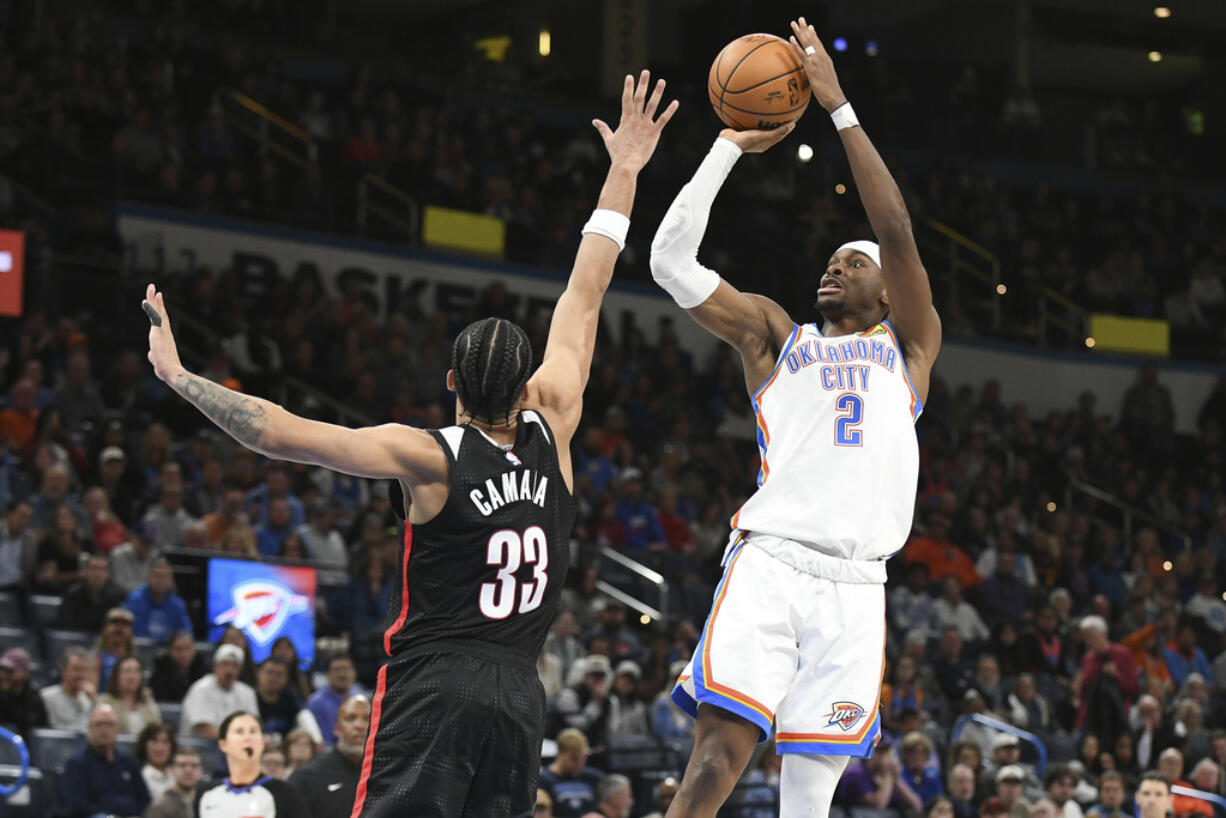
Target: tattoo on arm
{"x":244,"y":418}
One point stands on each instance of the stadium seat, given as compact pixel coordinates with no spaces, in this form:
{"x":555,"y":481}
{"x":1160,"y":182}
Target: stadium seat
{"x":10,"y":610}
{"x":50,"y":748}
{"x":57,"y":641}
{"x":19,"y":638}
{"x":171,"y":711}
{"x":32,"y":801}
{"x":46,"y":610}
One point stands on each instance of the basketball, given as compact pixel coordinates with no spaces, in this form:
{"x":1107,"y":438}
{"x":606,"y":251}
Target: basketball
{"x":756,"y":81}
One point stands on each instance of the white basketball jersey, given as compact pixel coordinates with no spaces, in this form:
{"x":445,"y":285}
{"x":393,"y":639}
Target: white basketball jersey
{"x":836,"y":429}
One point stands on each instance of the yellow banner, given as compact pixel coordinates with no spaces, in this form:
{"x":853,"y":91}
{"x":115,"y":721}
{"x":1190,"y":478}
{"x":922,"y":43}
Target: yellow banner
{"x":461,"y":230}
{"x":1117,"y":333}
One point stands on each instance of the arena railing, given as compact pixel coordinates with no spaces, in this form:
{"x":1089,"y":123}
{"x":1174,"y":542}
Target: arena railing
{"x":654,"y":577}
{"x":1211,"y":797}
{"x":965,"y":257}
{"x":273,"y":132}
{"x":1004,"y":727}
{"x":403,"y":213}
{"x":1131,"y":513}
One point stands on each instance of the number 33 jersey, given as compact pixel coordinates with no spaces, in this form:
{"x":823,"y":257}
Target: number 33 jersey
{"x":836,"y":431}
{"x":490,"y":566}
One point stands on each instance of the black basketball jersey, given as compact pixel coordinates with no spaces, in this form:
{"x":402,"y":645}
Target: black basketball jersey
{"x":489,"y":567}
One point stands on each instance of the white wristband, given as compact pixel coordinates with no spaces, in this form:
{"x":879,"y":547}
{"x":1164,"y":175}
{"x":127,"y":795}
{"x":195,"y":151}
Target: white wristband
{"x":610,"y":224}
{"x":844,"y":116}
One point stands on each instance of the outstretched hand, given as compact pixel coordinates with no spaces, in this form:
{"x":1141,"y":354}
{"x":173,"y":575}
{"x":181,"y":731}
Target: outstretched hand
{"x":818,"y":65}
{"x":163,"y":353}
{"x":638,"y":132}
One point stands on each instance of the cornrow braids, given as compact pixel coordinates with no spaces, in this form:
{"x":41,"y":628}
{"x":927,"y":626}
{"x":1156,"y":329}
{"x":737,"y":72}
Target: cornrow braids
{"x":491,"y":359}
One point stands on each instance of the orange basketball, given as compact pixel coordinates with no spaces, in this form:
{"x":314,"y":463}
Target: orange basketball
{"x":757,"y":82}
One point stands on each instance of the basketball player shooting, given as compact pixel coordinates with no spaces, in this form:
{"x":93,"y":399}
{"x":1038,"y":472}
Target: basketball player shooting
{"x":796,"y":633}
{"x":457,"y":718}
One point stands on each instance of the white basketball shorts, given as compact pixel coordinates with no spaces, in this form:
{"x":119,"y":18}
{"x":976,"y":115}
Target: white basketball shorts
{"x":795,"y":639}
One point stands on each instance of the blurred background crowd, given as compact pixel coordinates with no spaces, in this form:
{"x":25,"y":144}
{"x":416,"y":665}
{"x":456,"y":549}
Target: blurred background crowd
{"x":1042,"y":653}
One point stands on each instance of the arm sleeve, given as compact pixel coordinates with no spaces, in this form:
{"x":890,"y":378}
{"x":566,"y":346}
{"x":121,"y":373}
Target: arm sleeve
{"x":674,"y":250}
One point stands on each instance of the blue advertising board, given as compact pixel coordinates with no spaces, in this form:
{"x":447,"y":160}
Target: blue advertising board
{"x":264,"y":602}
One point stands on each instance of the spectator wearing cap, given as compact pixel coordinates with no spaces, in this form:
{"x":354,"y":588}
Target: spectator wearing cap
{"x":216,"y":695}
{"x":21,"y":706}
{"x":17,"y":546}
{"x":571,"y":784}
{"x":101,"y":780}
{"x":324,"y":544}
{"x":1107,"y":684}
{"x":1183,"y":656}
{"x":627,"y":711}
{"x":1060,"y":782}
{"x":924,"y":781}
{"x":326,"y":702}
{"x":1111,"y":796}
{"x":1016,"y":787}
{"x":132,"y":561}
{"x":961,"y":786}
{"x":87,"y":600}
{"x":585,"y":705}
{"x":114,"y":643}
{"x":943,"y":558}
{"x":276,"y":484}
{"x":113,"y":479}
{"x":1006,"y":750}
{"x":636,"y":515}
{"x":68,"y":703}
{"x":623,"y":644}
{"x":156,"y":609}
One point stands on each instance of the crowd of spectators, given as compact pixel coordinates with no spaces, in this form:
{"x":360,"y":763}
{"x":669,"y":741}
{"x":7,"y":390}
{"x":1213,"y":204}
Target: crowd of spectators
{"x":153,"y":124}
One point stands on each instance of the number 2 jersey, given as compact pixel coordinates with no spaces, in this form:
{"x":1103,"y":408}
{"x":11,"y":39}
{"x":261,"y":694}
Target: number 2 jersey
{"x":836,"y":431}
{"x":489,"y":567}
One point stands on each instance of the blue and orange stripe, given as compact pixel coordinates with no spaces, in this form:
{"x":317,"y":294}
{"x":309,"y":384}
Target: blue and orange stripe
{"x":917,"y":405}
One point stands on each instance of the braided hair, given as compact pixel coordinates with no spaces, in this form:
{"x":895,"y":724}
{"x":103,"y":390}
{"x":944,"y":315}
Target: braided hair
{"x":491,"y":359}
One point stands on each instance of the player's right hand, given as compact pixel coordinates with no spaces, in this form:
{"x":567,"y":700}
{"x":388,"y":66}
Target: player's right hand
{"x":163,"y":352}
{"x":754,"y":141}
{"x":638,"y":132}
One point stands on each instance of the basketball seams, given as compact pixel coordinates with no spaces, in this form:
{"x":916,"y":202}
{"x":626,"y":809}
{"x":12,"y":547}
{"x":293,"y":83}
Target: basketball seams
{"x":744,"y":57}
{"x":800,"y":107}
{"x":764,"y":92}
{"x":800,"y":70}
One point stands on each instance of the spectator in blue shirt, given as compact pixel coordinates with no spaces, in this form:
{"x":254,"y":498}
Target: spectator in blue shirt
{"x":157,"y":611}
{"x":100,"y":780}
{"x":1182,"y":656}
{"x":326,"y":702}
{"x":568,"y":780}
{"x":275,"y":485}
{"x":924,"y":780}
{"x":636,"y":515}
{"x":271,"y":536}
{"x":594,"y":463}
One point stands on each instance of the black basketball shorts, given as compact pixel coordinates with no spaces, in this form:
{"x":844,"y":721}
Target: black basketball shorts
{"x":453,"y":734}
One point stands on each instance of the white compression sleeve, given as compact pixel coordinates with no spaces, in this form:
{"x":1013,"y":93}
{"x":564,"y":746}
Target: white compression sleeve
{"x":674,"y":250}
{"x":806,"y":784}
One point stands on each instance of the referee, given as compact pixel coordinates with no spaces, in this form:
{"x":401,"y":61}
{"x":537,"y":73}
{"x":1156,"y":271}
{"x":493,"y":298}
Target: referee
{"x":246,"y":792}
{"x":329,"y":783}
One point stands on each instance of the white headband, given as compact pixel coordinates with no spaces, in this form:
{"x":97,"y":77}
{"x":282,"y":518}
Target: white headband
{"x":868,"y":248}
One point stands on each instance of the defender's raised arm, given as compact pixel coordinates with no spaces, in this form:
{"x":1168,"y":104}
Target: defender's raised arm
{"x":558,"y":385}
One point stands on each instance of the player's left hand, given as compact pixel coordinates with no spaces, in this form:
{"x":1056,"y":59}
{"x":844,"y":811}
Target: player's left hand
{"x":634,"y":141}
{"x":163,"y":353}
{"x":818,"y":65}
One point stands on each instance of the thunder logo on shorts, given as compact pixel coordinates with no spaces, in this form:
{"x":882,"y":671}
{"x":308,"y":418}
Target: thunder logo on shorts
{"x":845,"y":714}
